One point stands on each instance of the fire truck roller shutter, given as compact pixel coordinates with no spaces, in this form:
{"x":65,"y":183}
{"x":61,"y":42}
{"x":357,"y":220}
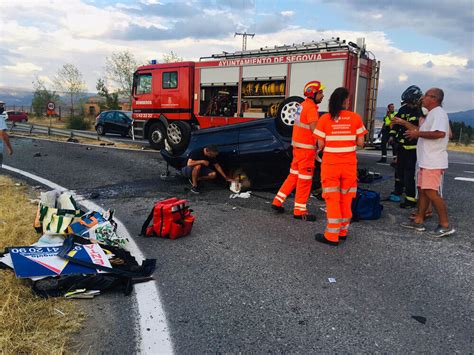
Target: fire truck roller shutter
{"x":330,"y":72}
{"x":285,"y":118}
{"x":178,"y":135}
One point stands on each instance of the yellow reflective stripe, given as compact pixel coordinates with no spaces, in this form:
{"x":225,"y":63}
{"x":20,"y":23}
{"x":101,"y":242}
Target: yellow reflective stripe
{"x":319,"y":133}
{"x":334,"y":220}
{"x":411,"y":199}
{"x":345,"y":220}
{"x":350,"y":189}
{"x":331,"y":189}
{"x":409,"y":147}
{"x":302,"y":145}
{"x":303,"y":125}
{"x":360,"y":130}
{"x":333,"y":230}
{"x":300,"y":205}
{"x":340,"y":149}
{"x":341,"y":138}
{"x":295,"y":172}
{"x":281,"y":194}
{"x":305,"y":177}
{"x":279,"y":199}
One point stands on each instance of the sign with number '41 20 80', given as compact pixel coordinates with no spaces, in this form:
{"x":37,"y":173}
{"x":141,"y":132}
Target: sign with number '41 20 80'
{"x":31,"y":261}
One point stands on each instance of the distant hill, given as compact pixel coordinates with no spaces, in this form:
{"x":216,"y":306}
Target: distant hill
{"x":15,"y":96}
{"x":462,"y":116}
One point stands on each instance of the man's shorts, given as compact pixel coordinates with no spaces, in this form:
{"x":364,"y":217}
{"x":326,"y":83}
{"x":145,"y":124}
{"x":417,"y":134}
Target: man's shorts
{"x":188,"y":170}
{"x":430,"y":179}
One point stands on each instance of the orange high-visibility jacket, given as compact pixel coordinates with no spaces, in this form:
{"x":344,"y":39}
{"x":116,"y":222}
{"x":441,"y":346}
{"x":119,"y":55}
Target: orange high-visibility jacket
{"x":340,"y":136}
{"x":302,"y":135}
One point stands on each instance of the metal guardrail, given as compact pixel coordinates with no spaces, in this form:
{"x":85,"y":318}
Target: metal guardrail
{"x":50,"y":131}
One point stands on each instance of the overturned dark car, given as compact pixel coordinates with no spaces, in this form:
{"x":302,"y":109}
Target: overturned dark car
{"x":255,"y":149}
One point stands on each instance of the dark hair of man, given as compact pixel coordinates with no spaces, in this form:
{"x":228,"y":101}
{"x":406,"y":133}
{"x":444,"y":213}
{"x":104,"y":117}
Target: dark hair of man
{"x":212,"y":148}
{"x":390,"y":105}
{"x":336,"y":100}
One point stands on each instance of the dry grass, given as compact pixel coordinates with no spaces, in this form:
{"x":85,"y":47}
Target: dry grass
{"x":461,"y":147}
{"x":56,"y":122}
{"x":28,"y":323}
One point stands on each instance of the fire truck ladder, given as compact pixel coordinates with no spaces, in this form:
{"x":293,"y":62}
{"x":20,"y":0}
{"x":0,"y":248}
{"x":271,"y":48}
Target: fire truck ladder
{"x":372,"y":100}
{"x":333,"y":44}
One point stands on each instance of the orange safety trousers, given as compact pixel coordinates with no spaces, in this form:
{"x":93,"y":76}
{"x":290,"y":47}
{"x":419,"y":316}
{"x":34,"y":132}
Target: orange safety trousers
{"x":301,"y":178}
{"x":339,"y":182}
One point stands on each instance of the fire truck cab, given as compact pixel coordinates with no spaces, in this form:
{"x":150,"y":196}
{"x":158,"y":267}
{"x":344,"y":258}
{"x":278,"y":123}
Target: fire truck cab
{"x":172,"y":99}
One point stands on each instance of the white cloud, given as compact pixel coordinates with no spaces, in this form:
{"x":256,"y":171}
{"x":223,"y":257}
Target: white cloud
{"x":22,"y":68}
{"x":287,"y":13}
{"x":402,"y":78}
{"x":51,"y":33}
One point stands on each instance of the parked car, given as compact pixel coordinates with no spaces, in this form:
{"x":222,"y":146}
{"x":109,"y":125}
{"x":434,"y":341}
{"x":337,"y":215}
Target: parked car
{"x":256,"y":148}
{"x":114,"y":121}
{"x":17,"y":116}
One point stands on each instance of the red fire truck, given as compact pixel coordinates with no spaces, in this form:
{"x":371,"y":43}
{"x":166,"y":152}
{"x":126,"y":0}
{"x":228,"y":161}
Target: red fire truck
{"x":172,"y":99}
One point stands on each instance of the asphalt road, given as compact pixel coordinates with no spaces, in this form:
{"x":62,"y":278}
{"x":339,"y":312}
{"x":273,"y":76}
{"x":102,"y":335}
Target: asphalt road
{"x":248,"y":280}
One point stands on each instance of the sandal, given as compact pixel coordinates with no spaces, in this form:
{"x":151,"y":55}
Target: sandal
{"x":428,"y":214}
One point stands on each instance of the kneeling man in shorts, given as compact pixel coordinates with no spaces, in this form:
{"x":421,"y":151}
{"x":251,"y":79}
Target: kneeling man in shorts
{"x":200,"y":166}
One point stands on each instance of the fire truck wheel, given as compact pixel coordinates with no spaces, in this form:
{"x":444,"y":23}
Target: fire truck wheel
{"x":286,"y":114}
{"x":156,"y":135}
{"x":179,"y":134}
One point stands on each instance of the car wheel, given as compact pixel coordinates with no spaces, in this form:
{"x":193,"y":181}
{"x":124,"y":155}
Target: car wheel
{"x":100,"y":130}
{"x":178,"y":134}
{"x":286,"y":114}
{"x":156,"y":135}
{"x":130,"y":132}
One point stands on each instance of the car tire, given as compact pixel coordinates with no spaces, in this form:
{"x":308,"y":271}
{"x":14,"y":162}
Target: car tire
{"x":286,"y":114}
{"x":130,"y":132}
{"x":156,"y":135}
{"x":100,"y":130}
{"x":178,"y":135}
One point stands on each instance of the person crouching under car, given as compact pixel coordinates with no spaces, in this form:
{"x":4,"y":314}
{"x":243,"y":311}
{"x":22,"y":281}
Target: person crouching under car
{"x":200,"y":166}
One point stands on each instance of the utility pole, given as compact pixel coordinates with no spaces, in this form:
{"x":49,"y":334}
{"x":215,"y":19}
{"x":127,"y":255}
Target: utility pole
{"x":244,"y":38}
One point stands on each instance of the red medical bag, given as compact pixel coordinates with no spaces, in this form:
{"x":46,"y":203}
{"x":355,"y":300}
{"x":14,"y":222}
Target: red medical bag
{"x":171,"y":218}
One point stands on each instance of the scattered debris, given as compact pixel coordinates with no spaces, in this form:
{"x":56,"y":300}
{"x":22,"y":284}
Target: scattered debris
{"x":419,"y":319}
{"x":88,"y":148}
{"x":79,"y":254}
{"x":37,"y":155}
{"x":332,"y":280}
{"x":241,"y":195}
{"x":61,"y":313}
{"x":72,"y":140}
{"x":94,"y":195}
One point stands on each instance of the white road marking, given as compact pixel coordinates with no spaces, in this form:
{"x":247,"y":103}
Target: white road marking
{"x":369,"y":153}
{"x":152,"y":333}
{"x":464,"y":179}
{"x":469,"y":172}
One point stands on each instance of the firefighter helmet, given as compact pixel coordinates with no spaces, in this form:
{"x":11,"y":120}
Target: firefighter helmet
{"x":312,"y":88}
{"x":412,"y":95}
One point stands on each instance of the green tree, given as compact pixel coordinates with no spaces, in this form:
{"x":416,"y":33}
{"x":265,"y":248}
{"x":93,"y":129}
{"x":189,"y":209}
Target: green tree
{"x":120,"y":67}
{"x":172,"y":57}
{"x":70,"y":81}
{"x":41,"y":97}
{"x":111,"y":100}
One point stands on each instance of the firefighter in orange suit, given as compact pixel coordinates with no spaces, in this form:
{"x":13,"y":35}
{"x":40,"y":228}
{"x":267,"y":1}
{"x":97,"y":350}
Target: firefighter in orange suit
{"x":304,"y":154}
{"x":339,"y":132}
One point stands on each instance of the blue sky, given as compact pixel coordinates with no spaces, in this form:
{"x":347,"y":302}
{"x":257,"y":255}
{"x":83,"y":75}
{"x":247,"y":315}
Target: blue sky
{"x":428,"y":43}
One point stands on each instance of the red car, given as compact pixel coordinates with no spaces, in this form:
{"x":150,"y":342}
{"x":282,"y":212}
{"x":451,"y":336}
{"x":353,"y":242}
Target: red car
{"x":17,"y":116}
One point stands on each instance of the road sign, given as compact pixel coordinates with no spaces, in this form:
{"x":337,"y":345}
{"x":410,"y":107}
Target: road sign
{"x":51,"y":106}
